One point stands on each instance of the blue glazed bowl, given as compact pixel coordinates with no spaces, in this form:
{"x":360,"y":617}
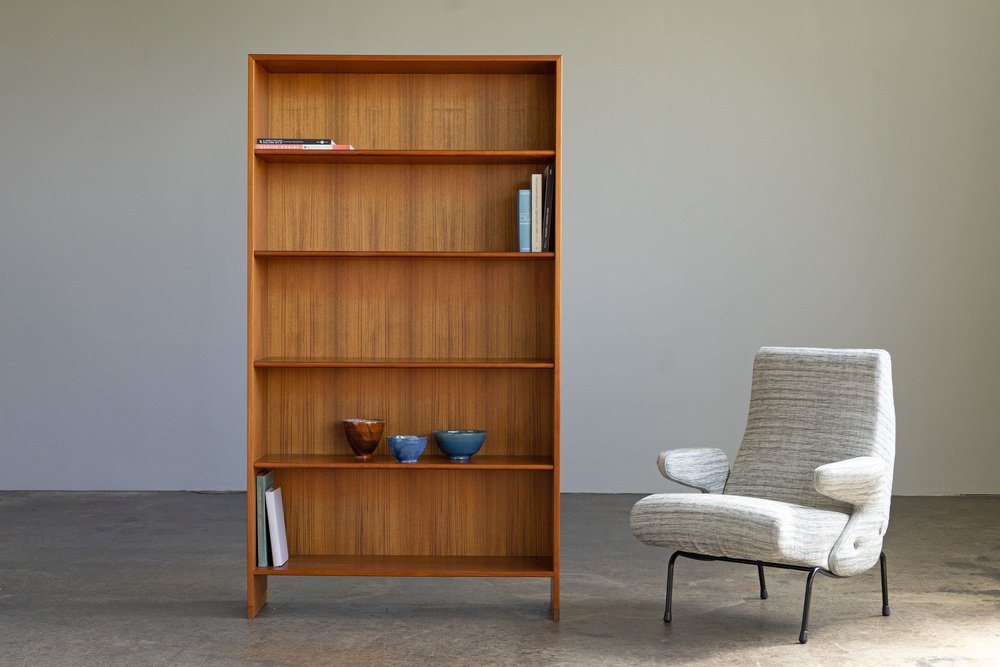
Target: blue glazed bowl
{"x":407,"y":448}
{"x":460,"y":445}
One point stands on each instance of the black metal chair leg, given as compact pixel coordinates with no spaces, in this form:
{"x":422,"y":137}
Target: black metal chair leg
{"x":670,"y":585}
{"x":812,"y":572}
{"x":885,"y":585}
{"x":763,"y":586}
{"x":804,"y":632}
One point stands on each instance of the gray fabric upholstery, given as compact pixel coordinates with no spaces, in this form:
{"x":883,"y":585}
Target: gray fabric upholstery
{"x":738,"y":527}
{"x":700,"y":468}
{"x":812,"y":480}
{"x":862,"y":482}
{"x":809,"y":407}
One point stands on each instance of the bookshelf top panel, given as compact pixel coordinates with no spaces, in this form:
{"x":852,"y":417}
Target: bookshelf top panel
{"x":385,"y":64}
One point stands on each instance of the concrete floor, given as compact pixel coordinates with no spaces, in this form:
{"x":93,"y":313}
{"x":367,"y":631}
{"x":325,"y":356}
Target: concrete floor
{"x":158,"y":579}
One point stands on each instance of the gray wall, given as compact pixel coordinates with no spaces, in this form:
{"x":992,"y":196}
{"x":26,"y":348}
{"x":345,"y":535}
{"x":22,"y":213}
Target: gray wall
{"x":737,"y":174}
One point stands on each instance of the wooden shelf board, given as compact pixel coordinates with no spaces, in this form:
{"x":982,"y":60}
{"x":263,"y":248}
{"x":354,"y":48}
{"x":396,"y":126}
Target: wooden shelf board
{"x":385,"y":254}
{"x":414,"y":566}
{"x":305,"y":362}
{"x":381,"y":462}
{"x":398,"y":64}
{"x":405,"y":156}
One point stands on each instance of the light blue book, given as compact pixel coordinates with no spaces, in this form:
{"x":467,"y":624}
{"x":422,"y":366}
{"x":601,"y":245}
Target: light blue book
{"x":524,"y":219}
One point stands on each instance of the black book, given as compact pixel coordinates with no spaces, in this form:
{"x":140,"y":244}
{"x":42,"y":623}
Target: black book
{"x":548,"y":202}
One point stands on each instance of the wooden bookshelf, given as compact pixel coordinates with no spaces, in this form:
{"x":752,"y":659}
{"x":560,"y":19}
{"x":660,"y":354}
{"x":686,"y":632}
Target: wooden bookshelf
{"x":385,"y":282}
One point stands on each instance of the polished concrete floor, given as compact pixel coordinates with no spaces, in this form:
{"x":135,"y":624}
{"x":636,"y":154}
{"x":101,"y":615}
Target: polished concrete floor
{"x":158,"y":579}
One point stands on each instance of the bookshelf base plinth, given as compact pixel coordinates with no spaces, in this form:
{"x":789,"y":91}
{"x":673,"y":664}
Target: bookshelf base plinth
{"x":413,"y":566}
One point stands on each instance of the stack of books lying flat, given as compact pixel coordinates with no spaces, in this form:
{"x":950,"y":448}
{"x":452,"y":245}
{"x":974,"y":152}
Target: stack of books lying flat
{"x":267,"y":143}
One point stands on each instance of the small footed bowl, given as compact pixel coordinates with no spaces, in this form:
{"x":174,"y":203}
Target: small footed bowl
{"x":460,"y":445}
{"x":363,"y":435}
{"x":407,"y":448}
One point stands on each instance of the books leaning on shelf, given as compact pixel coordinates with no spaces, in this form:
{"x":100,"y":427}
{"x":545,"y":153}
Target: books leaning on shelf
{"x":265,"y":481}
{"x":267,"y":143}
{"x":524,"y":220}
{"x":276,"y":527}
{"x":535,"y":211}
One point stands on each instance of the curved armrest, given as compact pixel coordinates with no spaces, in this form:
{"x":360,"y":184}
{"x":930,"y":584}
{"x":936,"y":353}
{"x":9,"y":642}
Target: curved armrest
{"x":702,"y":468}
{"x":866,"y":483}
{"x":856,"y":481}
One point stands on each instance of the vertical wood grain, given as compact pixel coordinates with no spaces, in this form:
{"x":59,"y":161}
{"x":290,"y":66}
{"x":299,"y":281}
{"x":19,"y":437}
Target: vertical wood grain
{"x":416,"y":111}
{"x":419,"y":309}
{"x":417,"y":513}
{"x":305,"y":407}
{"x":387,"y":207}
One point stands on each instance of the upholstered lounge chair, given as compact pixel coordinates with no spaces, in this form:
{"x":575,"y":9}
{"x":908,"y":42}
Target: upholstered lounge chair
{"x":809,"y":489}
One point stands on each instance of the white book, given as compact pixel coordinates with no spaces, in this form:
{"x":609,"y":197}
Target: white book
{"x":276,"y":527}
{"x":536,"y":213}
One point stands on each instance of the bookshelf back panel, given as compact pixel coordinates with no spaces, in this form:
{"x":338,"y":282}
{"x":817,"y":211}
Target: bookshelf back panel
{"x":305,"y":407}
{"x":410,"y":309}
{"x":415,"y":111}
{"x":386,"y":207}
{"x":417,"y":512}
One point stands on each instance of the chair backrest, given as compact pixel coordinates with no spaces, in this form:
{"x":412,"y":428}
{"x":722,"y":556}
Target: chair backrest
{"x":809,"y":407}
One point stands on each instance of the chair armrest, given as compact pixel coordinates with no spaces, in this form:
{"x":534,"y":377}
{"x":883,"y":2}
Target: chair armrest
{"x":866,"y":483}
{"x":856,"y":481}
{"x":701,"y":468}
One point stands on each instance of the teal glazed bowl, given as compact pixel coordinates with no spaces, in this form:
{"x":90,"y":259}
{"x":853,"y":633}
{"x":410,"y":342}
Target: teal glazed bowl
{"x":407,"y":448}
{"x":459,"y":446}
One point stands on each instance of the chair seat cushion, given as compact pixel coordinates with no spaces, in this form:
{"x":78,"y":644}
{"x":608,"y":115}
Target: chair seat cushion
{"x":738,"y":527}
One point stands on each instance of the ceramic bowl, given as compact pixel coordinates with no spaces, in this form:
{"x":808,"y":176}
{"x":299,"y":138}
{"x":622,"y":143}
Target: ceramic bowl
{"x":363,"y":435}
{"x":407,"y":448}
{"x":460,"y":445}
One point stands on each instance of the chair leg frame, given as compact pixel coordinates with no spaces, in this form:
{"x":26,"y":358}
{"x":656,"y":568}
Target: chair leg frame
{"x":812,"y":572}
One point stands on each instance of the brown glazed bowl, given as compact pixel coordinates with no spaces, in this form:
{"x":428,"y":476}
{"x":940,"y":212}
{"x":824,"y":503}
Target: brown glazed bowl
{"x":363,"y":435}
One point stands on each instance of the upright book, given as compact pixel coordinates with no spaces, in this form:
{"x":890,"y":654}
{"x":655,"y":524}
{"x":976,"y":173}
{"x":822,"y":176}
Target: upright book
{"x":548,"y":202}
{"x":265,"y":481}
{"x":524,"y":220}
{"x":276,"y":527}
{"x":536,"y":213}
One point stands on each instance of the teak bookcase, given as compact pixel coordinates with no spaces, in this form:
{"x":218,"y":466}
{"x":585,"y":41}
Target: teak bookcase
{"x":385,"y":282}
